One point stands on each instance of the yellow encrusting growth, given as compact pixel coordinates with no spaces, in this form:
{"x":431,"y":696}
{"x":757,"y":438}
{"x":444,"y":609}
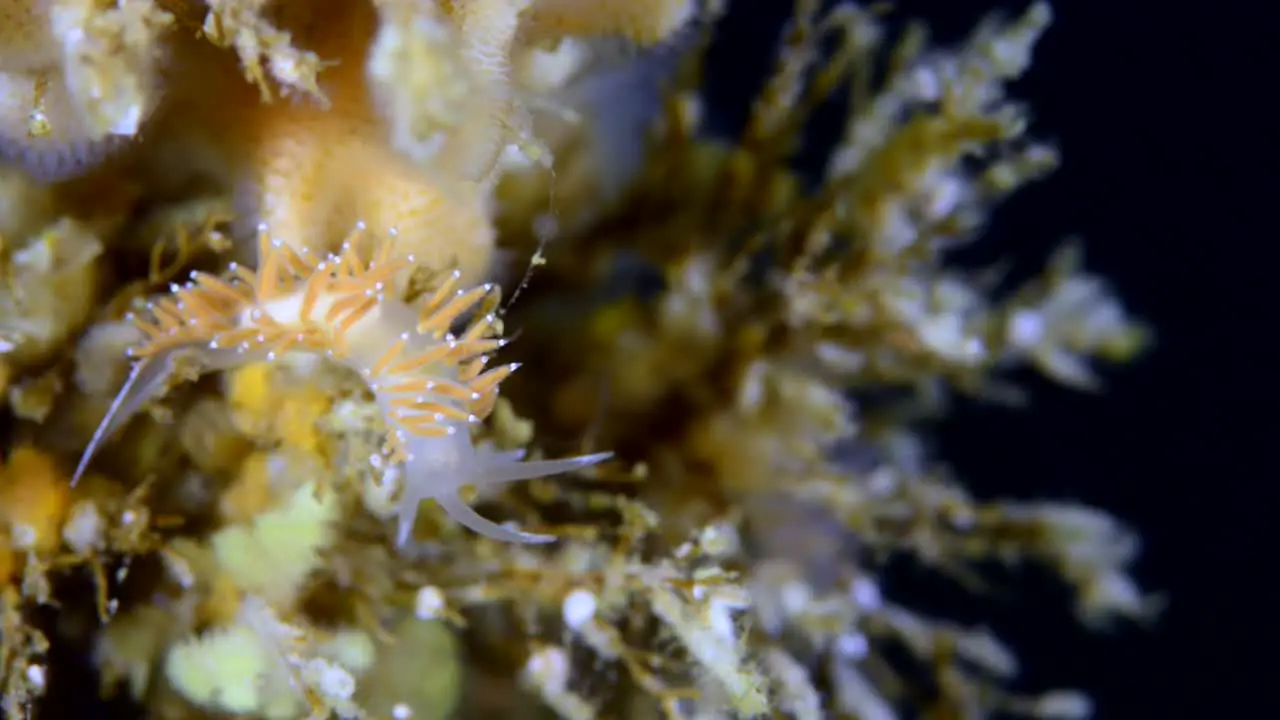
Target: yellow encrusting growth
{"x":34,"y":501}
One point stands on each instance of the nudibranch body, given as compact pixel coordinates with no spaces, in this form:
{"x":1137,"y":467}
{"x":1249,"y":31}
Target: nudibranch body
{"x":430,"y":382}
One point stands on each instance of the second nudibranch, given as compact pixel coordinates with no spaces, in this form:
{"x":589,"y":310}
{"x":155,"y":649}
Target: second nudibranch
{"x":428,"y":377}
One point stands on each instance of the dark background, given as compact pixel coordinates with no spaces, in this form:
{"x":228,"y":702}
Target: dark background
{"x":1169,"y":174}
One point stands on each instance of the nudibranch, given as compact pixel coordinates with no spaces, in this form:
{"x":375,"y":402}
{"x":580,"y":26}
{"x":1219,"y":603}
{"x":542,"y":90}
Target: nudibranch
{"x":426,"y":366}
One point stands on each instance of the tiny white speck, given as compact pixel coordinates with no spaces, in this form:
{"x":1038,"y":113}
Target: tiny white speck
{"x":36,"y":676}
{"x":428,"y":603}
{"x":853,"y":646}
{"x":578,"y":608}
{"x":866,"y":593}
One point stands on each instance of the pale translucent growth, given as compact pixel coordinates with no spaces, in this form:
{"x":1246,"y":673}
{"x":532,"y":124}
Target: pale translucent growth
{"x":947,"y":336}
{"x":379,"y":489}
{"x":1026,"y":328}
{"x":795,"y":596}
{"x":971,"y":79}
{"x":241,"y":661}
{"x":924,"y":636}
{"x":49,"y":285}
{"x":334,"y":683}
{"x":1061,"y":705}
{"x":66,"y":146}
{"x":855,"y":695}
{"x":418,"y":78}
{"x":262,"y":666}
{"x":76,"y":81}
{"x":244,"y":25}
{"x":84,"y":530}
{"x":22,"y":537}
{"x":798,"y":697}
{"x":549,"y":668}
{"x":1062,"y":319}
{"x":719,"y":540}
{"x":37,"y":676}
{"x":272,"y":555}
{"x":545,"y":70}
{"x":707,"y":633}
{"x":865,"y":592}
{"x":487,"y":31}
{"x":110,"y":60}
{"x":852,"y":646}
{"x":548,"y":671}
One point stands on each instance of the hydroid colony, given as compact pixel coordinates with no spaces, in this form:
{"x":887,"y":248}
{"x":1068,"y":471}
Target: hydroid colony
{"x":251,"y":294}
